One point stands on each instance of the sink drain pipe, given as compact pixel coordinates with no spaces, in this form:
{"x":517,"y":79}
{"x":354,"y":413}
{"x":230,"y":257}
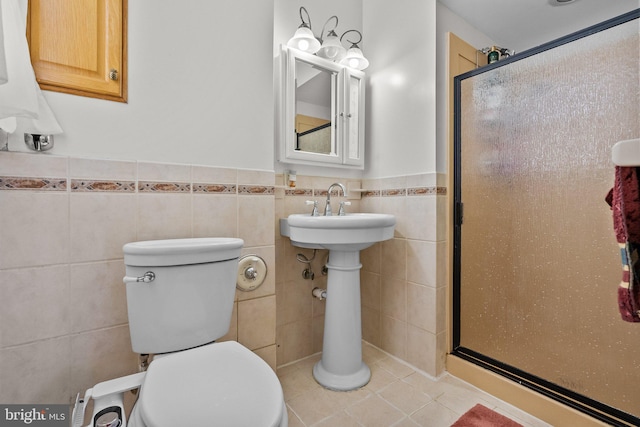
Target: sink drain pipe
{"x":319,"y":293}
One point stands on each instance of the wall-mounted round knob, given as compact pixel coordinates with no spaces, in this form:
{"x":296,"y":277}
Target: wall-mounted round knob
{"x":251,"y":273}
{"x":252,"y":270}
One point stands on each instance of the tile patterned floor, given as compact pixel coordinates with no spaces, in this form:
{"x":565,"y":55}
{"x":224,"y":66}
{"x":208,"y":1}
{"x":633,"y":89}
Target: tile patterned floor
{"x":397,"y":396}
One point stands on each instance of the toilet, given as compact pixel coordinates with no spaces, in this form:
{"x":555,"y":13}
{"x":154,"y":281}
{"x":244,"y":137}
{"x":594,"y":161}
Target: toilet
{"x":180,"y":296}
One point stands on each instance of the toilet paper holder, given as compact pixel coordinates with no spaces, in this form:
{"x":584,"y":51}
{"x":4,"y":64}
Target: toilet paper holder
{"x":252,"y":270}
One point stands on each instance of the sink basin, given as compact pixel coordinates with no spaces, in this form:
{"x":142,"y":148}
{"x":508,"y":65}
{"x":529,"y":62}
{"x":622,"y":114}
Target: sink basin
{"x":355,"y":231}
{"x":341,"y":366}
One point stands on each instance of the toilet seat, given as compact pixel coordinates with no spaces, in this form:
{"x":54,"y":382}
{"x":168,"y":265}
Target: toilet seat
{"x":217,"y":384}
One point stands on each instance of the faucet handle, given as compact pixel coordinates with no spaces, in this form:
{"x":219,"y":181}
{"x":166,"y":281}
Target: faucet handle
{"x":341,"y":211}
{"x":314,"y":212}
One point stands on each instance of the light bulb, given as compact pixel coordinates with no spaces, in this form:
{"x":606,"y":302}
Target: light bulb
{"x":331,"y":52}
{"x":303,"y":45}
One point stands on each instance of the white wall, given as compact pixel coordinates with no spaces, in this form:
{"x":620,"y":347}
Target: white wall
{"x":200,"y":89}
{"x":401,"y":115}
{"x":449,"y":22}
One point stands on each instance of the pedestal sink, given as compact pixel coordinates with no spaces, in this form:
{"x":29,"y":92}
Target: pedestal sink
{"x":341,"y":366}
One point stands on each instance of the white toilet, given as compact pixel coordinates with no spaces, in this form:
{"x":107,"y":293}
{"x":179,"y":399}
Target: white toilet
{"x":180,"y":297}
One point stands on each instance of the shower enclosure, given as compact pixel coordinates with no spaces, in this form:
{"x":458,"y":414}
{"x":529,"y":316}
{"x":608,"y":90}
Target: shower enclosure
{"x":536,"y":263}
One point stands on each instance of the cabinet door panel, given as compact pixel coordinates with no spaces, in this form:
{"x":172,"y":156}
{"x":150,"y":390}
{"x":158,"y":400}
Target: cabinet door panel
{"x":79,"y":46}
{"x":353,"y":137}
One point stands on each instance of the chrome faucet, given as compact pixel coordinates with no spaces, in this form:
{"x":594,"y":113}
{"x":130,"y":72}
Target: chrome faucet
{"x":327,"y":208}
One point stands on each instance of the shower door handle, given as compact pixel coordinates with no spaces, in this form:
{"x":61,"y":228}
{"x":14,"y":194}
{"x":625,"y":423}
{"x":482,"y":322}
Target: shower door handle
{"x":459,"y":213}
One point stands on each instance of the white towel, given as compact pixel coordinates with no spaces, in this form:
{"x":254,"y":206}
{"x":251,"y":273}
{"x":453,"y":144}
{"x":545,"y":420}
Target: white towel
{"x":3,"y":60}
{"x":18,"y":97}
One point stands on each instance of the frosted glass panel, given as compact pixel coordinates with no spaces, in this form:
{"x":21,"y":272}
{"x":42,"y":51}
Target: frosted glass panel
{"x":540,"y":265}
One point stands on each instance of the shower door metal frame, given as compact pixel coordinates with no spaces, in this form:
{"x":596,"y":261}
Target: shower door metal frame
{"x":593,"y":408}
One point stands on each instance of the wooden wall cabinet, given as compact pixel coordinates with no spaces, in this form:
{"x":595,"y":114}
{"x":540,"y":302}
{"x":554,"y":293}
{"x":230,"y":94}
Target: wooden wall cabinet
{"x":80,"y":46}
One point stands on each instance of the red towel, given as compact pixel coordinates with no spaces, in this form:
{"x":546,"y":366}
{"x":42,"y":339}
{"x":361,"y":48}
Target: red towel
{"x":624,"y":199}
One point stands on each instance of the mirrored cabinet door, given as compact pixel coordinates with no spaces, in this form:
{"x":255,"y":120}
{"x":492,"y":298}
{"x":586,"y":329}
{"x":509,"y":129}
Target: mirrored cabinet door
{"x":321,"y":112}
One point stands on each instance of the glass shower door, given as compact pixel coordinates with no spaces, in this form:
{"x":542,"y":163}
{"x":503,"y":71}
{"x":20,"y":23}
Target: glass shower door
{"x":537,"y":259}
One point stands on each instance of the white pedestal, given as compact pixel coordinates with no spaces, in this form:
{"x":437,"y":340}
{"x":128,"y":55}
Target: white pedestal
{"x":341,"y":366}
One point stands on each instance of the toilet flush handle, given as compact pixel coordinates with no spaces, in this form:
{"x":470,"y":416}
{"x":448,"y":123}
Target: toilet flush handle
{"x":147,"y":277}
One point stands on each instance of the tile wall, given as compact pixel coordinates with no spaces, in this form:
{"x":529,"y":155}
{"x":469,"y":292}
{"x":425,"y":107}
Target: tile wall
{"x":63,"y":321}
{"x":403,"y":280}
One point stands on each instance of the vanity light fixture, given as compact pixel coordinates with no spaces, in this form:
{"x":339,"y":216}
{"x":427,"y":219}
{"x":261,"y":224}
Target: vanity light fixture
{"x":304,"y":39}
{"x":330,"y":47}
{"x":354,"y":58}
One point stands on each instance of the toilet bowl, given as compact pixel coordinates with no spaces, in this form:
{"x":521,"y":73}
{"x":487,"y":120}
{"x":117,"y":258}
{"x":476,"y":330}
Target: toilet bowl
{"x":180,"y":296}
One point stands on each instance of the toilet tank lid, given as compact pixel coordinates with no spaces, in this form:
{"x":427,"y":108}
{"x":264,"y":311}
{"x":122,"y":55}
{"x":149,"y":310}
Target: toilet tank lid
{"x":181,"y":251}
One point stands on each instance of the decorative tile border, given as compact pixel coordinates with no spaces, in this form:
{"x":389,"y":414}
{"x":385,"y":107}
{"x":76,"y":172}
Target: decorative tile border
{"x":420,"y":191}
{"x":393,"y":192}
{"x":414,"y":191}
{"x":215,"y":188}
{"x":307,"y":192}
{"x":85,"y":185}
{"x":25,"y":172}
{"x":24,"y":183}
{"x":163,"y":187}
{"x":255,"y":190}
{"x":335,"y":192}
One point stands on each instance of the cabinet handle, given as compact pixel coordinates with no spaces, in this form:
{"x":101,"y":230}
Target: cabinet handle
{"x":113,"y":74}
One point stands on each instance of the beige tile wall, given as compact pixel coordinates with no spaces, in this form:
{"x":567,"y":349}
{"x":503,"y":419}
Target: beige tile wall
{"x":63,"y":321}
{"x":403,"y":282}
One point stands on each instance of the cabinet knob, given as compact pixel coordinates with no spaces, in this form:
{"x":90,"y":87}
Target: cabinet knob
{"x":113,"y":74}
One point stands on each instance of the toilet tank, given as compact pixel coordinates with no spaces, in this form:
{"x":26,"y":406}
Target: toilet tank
{"x":190,"y":300}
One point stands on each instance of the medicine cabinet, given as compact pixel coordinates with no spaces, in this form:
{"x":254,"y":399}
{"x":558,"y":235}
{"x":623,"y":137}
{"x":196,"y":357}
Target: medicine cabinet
{"x":321,"y":112}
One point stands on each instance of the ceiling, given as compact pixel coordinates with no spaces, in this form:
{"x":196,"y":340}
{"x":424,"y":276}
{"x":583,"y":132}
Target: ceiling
{"x":523,"y":24}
